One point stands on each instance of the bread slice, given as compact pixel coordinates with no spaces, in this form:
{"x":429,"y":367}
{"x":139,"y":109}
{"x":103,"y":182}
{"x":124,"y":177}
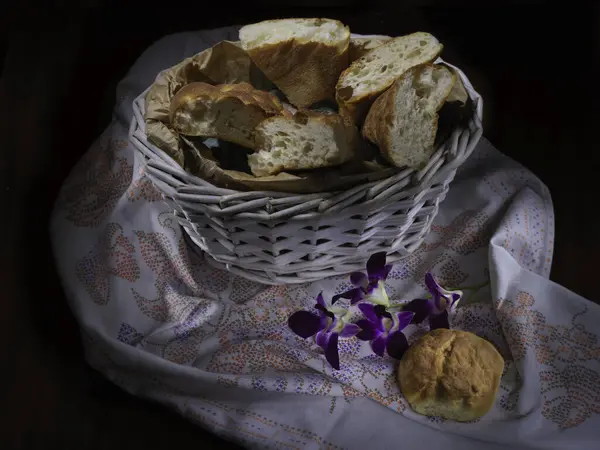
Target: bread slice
{"x":303,"y":57}
{"x":228,"y":111}
{"x":369,"y":76}
{"x":307,"y":141}
{"x":360,"y":46}
{"x":403,"y":121}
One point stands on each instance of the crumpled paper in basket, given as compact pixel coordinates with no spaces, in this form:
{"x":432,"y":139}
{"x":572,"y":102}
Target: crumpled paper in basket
{"x":226,"y":62}
{"x":164,"y":325}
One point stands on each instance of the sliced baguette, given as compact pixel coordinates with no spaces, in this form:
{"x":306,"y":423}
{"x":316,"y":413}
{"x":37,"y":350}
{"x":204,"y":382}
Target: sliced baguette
{"x":303,"y":57}
{"x":403,"y":121}
{"x":307,"y":141}
{"x":369,"y":76}
{"x":360,"y":46}
{"x":228,"y":111}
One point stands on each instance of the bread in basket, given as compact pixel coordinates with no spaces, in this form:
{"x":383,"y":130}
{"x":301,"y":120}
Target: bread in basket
{"x":276,"y":237}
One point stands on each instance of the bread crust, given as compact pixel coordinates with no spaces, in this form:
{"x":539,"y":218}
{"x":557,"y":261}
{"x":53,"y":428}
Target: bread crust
{"x":360,"y":46}
{"x":377,"y":127}
{"x":306,"y":72}
{"x":379,"y":119}
{"x":452,"y":374}
{"x":185,"y":113}
{"x":244,"y":92}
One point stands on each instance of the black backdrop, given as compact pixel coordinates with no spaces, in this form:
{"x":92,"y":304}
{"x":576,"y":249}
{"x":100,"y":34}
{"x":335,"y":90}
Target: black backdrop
{"x":535,"y":64}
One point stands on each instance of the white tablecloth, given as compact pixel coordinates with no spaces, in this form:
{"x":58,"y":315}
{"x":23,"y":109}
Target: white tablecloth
{"x":162,"y":324}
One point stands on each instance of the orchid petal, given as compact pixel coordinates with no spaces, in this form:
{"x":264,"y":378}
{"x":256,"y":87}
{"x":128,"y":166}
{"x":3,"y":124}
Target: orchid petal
{"x":349,"y":330}
{"x":372,"y":287}
{"x":368,"y":311}
{"x":376,"y":264}
{"x":355,"y":295}
{"x":439,"y":321}
{"x":321,"y":300}
{"x":359,"y":279}
{"x":322,"y":339}
{"x":323,"y":321}
{"x":432,"y":285}
{"x":305,"y":324}
{"x":331,"y":351}
{"x":421,"y":307}
{"x":435,"y":290}
{"x":456,"y":296}
{"x":396,"y":344}
{"x":335,"y":322}
{"x":403,"y":319}
{"x":368,"y":330}
{"x":322,"y":310}
{"x":378,"y":345}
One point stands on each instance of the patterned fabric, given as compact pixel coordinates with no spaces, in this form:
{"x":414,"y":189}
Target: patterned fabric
{"x":163,"y":324}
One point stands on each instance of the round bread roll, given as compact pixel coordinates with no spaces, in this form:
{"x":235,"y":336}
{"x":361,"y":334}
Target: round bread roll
{"x":452,"y":374}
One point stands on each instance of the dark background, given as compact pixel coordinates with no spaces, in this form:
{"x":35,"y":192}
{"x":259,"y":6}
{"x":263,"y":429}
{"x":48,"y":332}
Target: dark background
{"x":536,"y":66}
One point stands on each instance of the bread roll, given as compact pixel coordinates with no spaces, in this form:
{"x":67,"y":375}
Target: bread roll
{"x":307,"y":141}
{"x":369,"y":76}
{"x":403,"y":121}
{"x":452,"y":374}
{"x":228,"y":111}
{"x":303,"y":57}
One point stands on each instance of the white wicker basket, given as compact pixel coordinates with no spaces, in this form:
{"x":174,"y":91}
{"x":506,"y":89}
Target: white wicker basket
{"x":279,"y":238}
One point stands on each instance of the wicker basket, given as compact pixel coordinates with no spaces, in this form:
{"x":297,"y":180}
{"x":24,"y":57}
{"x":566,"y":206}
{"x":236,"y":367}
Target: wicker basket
{"x":280,"y":238}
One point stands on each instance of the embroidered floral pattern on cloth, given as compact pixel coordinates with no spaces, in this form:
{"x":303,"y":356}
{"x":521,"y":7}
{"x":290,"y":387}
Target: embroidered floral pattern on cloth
{"x":161,"y":323}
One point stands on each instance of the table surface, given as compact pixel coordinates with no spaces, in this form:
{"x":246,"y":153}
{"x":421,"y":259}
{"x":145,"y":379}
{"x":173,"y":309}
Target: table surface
{"x":536,"y":67}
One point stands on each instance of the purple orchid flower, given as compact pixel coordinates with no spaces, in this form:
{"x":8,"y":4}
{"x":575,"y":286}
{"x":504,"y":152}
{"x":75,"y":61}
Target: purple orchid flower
{"x":328,"y":325}
{"x":437,"y":308}
{"x":384,"y":329}
{"x":369,"y":286}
